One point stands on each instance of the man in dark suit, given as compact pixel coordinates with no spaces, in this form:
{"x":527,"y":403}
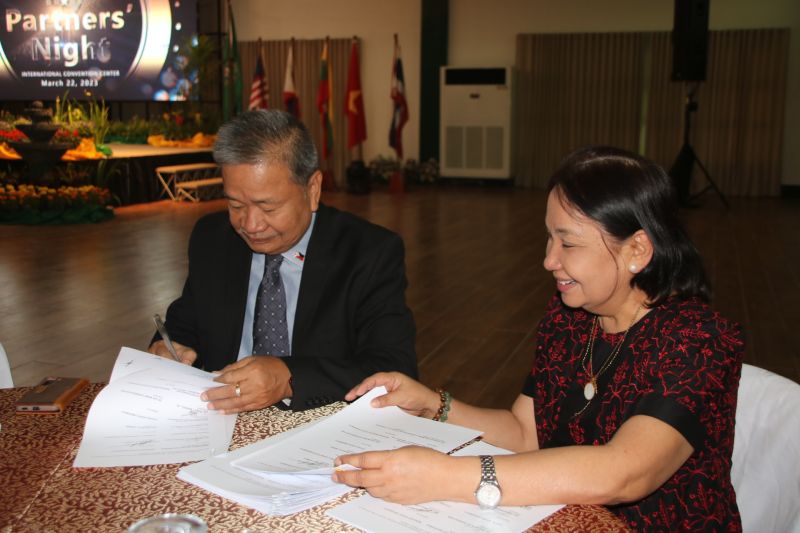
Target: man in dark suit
{"x":293,"y":301}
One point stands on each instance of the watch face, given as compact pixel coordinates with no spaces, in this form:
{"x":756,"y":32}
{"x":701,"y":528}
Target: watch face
{"x":488,"y":495}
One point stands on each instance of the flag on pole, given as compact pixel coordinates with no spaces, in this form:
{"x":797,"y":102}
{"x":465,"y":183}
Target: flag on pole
{"x":354,"y":102}
{"x":290,"y":100}
{"x":399,"y":104}
{"x":232,"y":71}
{"x":259,"y":90}
{"x":226,"y":77}
{"x":324,"y":97}
{"x":232,"y":84}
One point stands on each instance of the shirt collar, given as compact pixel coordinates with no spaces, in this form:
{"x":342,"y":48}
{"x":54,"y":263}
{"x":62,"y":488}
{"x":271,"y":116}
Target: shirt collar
{"x":297,"y":253}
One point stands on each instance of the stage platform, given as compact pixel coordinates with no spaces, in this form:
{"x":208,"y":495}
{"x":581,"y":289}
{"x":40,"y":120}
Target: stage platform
{"x":123,"y":151}
{"x":130,"y":172}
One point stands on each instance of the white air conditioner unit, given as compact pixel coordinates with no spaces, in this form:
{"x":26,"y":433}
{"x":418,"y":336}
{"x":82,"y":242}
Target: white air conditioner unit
{"x":476,"y":122}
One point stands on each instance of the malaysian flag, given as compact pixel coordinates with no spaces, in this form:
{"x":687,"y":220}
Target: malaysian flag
{"x":259,"y":90}
{"x":399,"y":104}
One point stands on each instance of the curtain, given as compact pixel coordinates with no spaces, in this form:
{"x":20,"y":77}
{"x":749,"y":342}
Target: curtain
{"x":615,"y":89}
{"x":307,"y":55}
{"x":573,"y":90}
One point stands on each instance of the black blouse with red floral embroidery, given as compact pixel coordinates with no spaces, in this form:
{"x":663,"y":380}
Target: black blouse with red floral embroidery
{"x":680,"y":363}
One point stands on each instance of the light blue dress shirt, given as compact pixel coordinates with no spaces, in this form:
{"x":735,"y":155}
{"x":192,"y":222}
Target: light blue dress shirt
{"x":291,"y":272}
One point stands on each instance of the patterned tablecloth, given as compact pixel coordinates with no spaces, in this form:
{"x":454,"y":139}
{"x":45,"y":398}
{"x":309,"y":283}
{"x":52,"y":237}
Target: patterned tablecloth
{"x":40,"y":491}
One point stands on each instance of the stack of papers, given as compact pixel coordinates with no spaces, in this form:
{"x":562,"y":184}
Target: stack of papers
{"x":377,"y":516}
{"x":292,"y":471}
{"x":151,"y":413}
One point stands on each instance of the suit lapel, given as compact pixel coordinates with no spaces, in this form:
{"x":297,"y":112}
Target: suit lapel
{"x":316,"y":271}
{"x":237,"y":278}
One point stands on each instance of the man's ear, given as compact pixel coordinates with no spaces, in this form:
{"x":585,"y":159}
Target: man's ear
{"x":314,"y":190}
{"x":639,"y":251}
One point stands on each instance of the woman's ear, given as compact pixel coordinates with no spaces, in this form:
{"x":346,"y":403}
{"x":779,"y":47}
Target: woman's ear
{"x":639,"y":251}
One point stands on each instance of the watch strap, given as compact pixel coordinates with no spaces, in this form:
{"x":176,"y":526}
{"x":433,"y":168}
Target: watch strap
{"x":488,"y":472}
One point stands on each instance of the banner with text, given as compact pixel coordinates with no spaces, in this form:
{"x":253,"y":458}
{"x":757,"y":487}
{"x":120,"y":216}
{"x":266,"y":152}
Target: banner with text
{"x":109,"y":49}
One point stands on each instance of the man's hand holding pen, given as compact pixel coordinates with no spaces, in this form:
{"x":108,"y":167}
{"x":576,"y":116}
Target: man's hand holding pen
{"x":166,"y":348}
{"x":185,"y":354}
{"x":251,"y":383}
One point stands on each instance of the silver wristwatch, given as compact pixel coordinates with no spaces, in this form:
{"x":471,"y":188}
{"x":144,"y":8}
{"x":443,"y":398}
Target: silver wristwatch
{"x":488,"y":492}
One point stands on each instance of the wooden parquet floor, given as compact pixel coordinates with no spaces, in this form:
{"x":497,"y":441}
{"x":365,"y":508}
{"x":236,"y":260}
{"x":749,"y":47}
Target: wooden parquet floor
{"x":71,"y":296}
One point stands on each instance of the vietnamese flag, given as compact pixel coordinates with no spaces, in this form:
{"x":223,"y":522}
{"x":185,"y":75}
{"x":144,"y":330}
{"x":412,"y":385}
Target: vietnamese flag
{"x":354,"y":102}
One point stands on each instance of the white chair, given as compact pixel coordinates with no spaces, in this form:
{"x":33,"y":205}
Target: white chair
{"x":5,"y":371}
{"x":766,"y":452}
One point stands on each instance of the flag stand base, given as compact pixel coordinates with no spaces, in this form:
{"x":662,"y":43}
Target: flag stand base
{"x":397,"y":183}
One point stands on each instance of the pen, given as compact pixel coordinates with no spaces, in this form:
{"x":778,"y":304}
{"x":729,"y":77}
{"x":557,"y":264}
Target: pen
{"x":165,"y":336}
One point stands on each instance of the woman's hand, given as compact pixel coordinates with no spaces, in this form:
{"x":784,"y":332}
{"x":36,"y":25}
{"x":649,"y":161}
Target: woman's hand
{"x":409,"y":395}
{"x":408,"y":475}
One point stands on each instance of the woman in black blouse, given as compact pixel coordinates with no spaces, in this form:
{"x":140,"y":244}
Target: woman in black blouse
{"x":632,"y":396}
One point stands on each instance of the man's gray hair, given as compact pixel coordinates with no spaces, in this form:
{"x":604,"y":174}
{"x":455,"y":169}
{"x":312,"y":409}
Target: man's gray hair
{"x":267,"y":136}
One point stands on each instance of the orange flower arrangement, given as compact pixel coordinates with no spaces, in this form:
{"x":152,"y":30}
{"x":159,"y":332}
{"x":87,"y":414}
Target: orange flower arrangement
{"x":35,"y":204}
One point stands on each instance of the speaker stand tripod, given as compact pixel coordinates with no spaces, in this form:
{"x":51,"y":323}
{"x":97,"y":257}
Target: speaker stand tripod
{"x":681,"y":170}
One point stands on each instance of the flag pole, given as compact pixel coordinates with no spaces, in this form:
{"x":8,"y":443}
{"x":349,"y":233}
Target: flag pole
{"x":328,"y":182}
{"x":359,"y":148}
{"x":396,"y":180}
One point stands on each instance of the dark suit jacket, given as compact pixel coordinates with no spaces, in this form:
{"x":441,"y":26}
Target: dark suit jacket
{"x":351,"y":318}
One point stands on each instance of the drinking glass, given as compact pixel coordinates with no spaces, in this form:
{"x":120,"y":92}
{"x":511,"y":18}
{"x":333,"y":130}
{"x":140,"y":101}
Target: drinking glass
{"x":170,"y":523}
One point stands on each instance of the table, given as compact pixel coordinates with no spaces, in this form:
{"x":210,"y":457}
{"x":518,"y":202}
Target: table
{"x":42,"y":492}
{"x":137,"y":182}
{"x":174,"y":179}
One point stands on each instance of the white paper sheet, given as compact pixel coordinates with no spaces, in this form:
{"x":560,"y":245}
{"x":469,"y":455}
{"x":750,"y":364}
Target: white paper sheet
{"x":290,"y":472}
{"x":280,"y":495}
{"x":358,"y":428}
{"x":151,"y":413}
{"x":377,"y":516}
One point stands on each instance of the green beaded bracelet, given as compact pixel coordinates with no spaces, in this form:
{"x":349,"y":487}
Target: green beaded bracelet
{"x":444,"y":406}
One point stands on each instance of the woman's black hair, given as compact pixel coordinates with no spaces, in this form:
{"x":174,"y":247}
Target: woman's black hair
{"x":624,"y":192}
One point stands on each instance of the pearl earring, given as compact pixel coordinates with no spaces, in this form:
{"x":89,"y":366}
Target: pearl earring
{"x":632,"y":268}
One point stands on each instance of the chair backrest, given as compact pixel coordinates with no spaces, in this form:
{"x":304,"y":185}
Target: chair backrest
{"x":5,"y":371}
{"x":766,"y":452}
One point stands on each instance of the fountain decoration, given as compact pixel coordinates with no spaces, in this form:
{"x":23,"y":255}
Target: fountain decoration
{"x":40,"y":154}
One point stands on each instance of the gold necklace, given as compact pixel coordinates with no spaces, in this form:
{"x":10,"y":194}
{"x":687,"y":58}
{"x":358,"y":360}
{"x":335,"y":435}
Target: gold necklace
{"x":590,"y":388}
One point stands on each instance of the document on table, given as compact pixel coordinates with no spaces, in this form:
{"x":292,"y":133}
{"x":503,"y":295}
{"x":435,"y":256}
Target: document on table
{"x":375,"y":516}
{"x":282,"y":495}
{"x":290,"y":472}
{"x":357,"y":428}
{"x":151,"y":413}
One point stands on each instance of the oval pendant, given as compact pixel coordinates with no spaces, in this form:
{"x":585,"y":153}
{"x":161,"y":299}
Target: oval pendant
{"x":588,"y":391}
